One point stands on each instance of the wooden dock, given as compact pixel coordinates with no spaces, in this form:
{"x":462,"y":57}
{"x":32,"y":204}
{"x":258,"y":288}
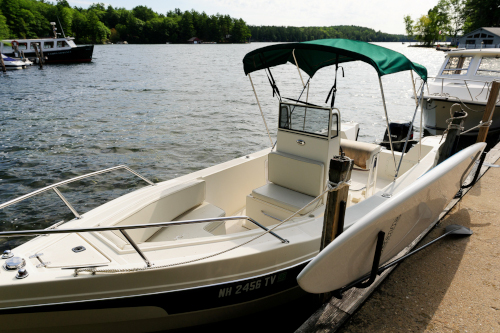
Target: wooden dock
{"x":333,"y":314}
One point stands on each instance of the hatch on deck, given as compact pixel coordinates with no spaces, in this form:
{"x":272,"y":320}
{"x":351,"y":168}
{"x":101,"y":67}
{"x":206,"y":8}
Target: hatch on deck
{"x":72,"y":250}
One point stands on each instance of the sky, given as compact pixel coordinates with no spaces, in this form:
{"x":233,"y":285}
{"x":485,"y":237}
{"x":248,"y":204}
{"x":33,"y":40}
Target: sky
{"x":386,"y":16}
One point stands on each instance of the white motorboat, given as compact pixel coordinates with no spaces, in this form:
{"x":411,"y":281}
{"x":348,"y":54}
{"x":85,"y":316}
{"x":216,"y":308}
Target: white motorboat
{"x":465,"y":79}
{"x":12,"y":63}
{"x":221,"y":242}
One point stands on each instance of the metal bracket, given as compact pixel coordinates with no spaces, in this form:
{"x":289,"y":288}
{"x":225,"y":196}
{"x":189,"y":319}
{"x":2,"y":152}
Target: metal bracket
{"x":452,"y":229}
{"x":42,"y":263}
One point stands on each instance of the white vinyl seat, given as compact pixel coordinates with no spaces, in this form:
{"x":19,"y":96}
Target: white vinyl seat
{"x":283,"y":197}
{"x":294,"y":182}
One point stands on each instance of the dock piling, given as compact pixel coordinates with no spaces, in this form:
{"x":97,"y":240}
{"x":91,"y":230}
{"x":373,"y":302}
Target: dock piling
{"x":38,"y":56}
{"x":336,"y":203}
{"x":3,"y":65}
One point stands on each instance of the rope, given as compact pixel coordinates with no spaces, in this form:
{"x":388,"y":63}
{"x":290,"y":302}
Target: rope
{"x":330,"y":187}
{"x":481,"y":124}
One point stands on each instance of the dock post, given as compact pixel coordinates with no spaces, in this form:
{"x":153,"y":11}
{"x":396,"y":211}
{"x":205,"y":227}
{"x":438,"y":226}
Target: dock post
{"x":488,"y":113}
{"x":41,"y":53}
{"x":35,"y":45}
{"x":336,"y":203}
{"x":3,"y":64}
{"x":453,"y":133}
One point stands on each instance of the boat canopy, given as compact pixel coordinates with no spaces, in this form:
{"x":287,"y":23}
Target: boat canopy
{"x":314,"y":55}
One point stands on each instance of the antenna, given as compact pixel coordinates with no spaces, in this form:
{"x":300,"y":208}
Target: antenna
{"x":61,"y":26}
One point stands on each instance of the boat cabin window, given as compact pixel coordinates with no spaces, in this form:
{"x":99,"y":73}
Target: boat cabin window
{"x":62,"y":43}
{"x":23,"y":46}
{"x":305,"y":118}
{"x":48,"y":45}
{"x":489,"y":66}
{"x":457,"y":66}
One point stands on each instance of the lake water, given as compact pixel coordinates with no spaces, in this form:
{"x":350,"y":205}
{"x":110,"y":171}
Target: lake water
{"x":163,"y":110}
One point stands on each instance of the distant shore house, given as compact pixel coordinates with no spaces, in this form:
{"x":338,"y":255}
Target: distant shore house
{"x":481,"y":38}
{"x":194,"y":40}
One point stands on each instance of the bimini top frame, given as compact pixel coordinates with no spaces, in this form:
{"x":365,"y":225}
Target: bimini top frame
{"x":314,"y":55}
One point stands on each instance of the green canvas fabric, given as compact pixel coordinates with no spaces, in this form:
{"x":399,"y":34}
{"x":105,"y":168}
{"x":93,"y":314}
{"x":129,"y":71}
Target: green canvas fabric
{"x":316,"y":54}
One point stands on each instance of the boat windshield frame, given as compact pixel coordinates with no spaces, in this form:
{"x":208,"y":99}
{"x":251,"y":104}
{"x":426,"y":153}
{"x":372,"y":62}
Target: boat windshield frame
{"x":288,"y":124}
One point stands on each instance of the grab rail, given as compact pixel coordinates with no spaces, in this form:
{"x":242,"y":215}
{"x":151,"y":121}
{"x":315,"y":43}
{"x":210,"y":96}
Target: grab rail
{"x":461,"y":80}
{"x":134,"y":226}
{"x":64,"y":182}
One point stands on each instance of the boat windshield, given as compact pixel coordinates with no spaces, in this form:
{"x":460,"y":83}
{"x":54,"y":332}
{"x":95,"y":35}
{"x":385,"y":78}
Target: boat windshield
{"x":304,"y":118}
{"x":489,"y":66}
{"x":457,"y":66}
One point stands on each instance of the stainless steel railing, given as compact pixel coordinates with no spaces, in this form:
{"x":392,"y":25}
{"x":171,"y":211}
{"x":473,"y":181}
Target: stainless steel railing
{"x":123,"y":228}
{"x":64,"y":182}
{"x":461,"y":80}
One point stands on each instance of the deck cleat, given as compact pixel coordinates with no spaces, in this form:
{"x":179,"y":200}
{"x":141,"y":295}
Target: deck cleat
{"x":7,"y":254}
{"x":22,"y":273}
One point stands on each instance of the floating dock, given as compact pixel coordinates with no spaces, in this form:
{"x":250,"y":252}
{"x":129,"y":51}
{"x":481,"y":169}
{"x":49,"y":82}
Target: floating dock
{"x":452,"y":286}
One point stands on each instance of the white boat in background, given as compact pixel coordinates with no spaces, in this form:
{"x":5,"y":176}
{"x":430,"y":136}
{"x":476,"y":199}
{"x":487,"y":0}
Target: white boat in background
{"x":464,"y":78}
{"x":56,"y":50}
{"x":12,"y":63}
{"x":221,"y":242}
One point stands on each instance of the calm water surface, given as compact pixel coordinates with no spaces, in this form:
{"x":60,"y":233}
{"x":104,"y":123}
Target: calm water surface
{"x":163,"y":110}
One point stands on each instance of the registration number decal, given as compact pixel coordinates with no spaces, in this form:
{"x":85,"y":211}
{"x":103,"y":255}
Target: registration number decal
{"x":249,"y":286}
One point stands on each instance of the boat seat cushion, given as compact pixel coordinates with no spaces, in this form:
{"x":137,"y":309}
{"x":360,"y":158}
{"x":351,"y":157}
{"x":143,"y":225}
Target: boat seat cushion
{"x":296,"y":173}
{"x":361,"y":152}
{"x":283,"y":197}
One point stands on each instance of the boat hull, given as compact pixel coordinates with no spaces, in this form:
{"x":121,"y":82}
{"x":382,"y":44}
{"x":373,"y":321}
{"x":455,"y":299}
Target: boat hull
{"x":82,"y":53}
{"x":162,"y":310}
{"x":437,"y":111}
{"x":402,"y":218}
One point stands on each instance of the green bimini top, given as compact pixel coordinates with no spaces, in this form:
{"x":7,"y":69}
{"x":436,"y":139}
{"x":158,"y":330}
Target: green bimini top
{"x":316,"y":54}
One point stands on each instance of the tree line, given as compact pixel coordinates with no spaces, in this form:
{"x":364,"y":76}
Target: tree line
{"x":450,"y":18}
{"x":302,"y":34}
{"x":99,"y":23}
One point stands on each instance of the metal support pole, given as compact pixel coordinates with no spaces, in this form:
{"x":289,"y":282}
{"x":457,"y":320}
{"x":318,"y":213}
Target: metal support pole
{"x":387,"y":121}
{"x":260,"y":108}
{"x":421,"y":125}
{"x":298,"y":69}
{"x":408,"y":135}
{"x":134,"y":245}
{"x":413,"y":85}
{"x":67,"y":203}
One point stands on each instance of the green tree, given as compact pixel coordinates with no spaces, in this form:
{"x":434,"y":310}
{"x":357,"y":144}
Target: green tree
{"x":408,"y":26}
{"x":4,"y":28}
{"x":480,"y":13}
{"x":186,"y":27}
{"x":240,"y":32}
{"x":144,"y":13}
